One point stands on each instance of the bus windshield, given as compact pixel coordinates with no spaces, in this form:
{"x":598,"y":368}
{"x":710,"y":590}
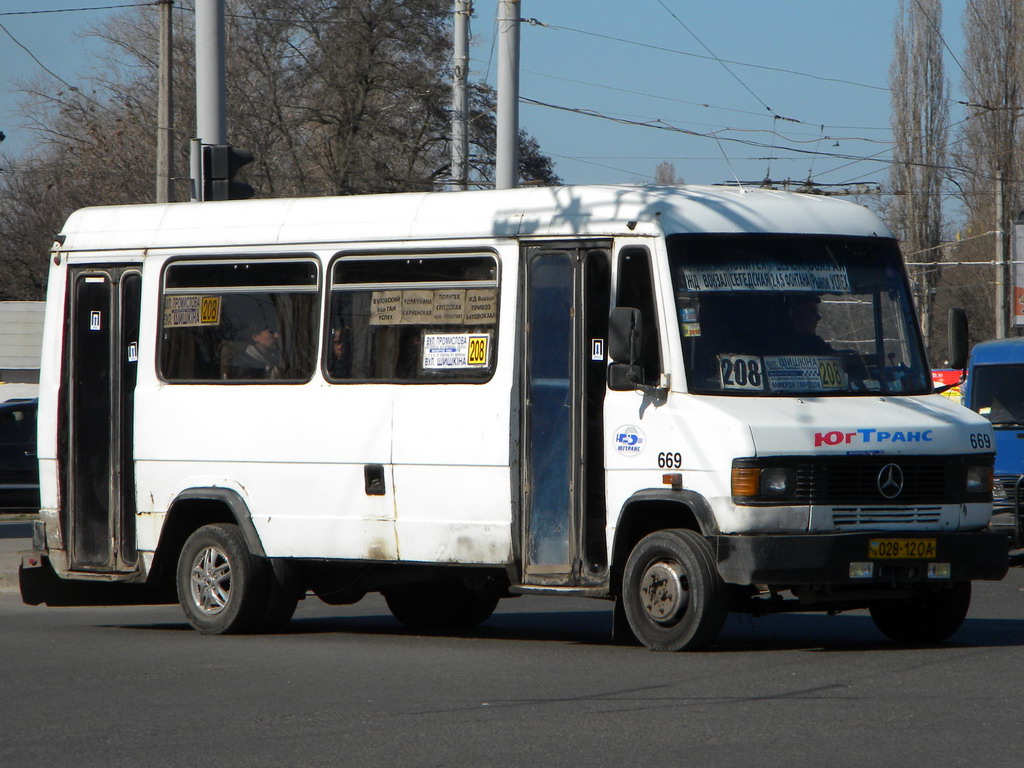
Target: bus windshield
{"x":997,"y":393}
{"x":795,"y":314}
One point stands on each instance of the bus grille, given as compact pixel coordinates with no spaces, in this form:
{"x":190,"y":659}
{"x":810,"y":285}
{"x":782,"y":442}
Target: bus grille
{"x":847,"y":517}
{"x":855,"y":481}
{"x":861,"y":492}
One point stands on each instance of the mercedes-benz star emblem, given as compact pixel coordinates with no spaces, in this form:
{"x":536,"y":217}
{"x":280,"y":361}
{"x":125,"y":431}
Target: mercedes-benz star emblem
{"x":890,"y":481}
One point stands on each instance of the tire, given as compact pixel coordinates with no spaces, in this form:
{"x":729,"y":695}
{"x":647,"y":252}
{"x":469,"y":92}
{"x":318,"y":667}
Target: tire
{"x":222,"y":587}
{"x":926,"y":618}
{"x":672,"y":594}
{"x":438,"y":605}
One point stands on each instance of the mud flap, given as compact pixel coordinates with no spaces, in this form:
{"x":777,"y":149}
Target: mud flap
{"x":40,"y":584}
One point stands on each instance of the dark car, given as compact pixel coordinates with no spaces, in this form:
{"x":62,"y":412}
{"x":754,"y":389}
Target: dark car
{"x":19,"y":472}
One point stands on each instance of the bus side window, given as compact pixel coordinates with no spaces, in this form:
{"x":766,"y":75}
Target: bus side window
{"x":636,"y":289}
{"x":412,"y":318}
{"x":239,"y":320}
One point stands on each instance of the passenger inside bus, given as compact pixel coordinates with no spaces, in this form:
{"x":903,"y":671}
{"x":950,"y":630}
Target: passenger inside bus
{"x":339,"y":362}
{"x":261,"y":356}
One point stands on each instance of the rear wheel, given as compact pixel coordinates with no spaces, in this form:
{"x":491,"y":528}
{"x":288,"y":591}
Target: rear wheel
{"x":450,"y":604}
{"x":222,"y":587}
{"x":927,"y":617}
{"x":672,"y":594}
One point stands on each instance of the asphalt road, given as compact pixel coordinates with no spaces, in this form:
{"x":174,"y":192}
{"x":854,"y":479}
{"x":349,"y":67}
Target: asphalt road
{"x":540,"y":683}
{"x":15,"y":536}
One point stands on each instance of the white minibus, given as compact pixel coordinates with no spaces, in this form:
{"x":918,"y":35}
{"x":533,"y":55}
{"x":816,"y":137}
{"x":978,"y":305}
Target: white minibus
{"x":688,"y":400}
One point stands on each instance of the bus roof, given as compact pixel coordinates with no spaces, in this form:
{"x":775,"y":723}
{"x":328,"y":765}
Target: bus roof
{"x":998,"y":351}
{"x":529,"y":211}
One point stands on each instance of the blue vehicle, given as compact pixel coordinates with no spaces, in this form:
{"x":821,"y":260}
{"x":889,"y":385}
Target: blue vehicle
{"x":995,"y":389}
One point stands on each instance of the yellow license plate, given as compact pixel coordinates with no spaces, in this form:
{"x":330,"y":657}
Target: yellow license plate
{"x":901,"y":549}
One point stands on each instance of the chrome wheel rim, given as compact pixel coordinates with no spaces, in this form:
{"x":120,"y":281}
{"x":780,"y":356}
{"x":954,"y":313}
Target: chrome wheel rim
{"x":663,"y":592}
{"x":211,"y":581}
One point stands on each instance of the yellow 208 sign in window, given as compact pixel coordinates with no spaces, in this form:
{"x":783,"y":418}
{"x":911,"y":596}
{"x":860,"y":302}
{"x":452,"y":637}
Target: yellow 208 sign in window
{"x":209,"y":310}
{"x":478,"y":350}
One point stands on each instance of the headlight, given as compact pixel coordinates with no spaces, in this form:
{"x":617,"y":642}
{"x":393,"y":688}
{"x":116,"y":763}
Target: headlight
{"x":979,"y":480}
{"x":777,"y":481}
{"x":753,"y":484}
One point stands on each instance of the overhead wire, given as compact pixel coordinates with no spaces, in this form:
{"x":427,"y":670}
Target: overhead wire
{"x":853,"y":159}
{"x":674,"y":51}
{"x":715,"y":56}
{"x":664,"y":125}
{"x":706,"y":105}
{"x":76,"y":10}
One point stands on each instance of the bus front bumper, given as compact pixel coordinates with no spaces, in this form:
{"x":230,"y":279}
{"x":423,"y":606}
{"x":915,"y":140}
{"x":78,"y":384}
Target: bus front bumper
{"x":879,"y":557}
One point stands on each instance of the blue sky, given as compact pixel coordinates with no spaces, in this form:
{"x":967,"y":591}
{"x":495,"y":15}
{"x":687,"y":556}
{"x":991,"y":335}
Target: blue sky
{"x":766,"y":77}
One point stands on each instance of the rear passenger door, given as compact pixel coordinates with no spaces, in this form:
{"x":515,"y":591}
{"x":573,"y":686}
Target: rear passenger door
{"x":97,"y":412}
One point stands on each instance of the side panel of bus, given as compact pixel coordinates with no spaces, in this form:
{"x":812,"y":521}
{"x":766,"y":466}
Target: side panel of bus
{"x":380,"y":459}
{"x":452,"y":445}
{"x":299,"y":456}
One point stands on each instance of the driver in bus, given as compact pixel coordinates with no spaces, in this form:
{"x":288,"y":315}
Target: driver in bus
{"x":800,"y":337}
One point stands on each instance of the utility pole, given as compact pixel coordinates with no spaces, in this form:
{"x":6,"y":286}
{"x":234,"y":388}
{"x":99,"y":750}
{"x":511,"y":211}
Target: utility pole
{"x":1016,"y":273}
{"x":165,"y":109}
{"x":211,"y":88}
{"x":506,"y":165}
{"x":1000,"y":328}
{"x":460,"y":97}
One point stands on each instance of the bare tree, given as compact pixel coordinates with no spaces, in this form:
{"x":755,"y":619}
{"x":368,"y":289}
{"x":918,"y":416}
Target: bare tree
{"x":665,"y":174}
{"x":920,"y":123}
{"x":989,"y":143}
{"x":332,"y":97}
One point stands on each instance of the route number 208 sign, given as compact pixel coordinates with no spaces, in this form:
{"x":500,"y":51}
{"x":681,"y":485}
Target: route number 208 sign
{"x":739,"y":372}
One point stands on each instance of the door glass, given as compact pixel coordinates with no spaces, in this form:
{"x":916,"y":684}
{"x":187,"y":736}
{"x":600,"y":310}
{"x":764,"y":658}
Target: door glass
{"x":549,"y":420}
{"x":131,"y":289}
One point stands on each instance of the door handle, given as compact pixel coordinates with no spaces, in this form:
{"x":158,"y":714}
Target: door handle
{"x":373,"y":477}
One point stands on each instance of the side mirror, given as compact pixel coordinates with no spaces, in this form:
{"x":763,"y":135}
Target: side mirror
{"x":624,"y":330}
{"x":957,"y":338}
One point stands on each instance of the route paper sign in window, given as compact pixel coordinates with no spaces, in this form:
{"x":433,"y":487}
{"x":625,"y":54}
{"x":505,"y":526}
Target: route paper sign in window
{"x":455,"y":350}
{"x":754,"y":276}
{"x":190,"y":311}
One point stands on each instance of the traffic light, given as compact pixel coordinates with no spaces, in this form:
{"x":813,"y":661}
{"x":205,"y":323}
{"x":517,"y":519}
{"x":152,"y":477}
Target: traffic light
{"x":220,"y":164}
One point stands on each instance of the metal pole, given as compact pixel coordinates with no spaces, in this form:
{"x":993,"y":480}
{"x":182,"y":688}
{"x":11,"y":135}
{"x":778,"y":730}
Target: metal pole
{"x":460,"y":98}
{"x":211,"y":89}
{"x":211,"y":125}
{"x":1000,"y":331}
{"x":506,"y":165}
{"x":165,"y":109}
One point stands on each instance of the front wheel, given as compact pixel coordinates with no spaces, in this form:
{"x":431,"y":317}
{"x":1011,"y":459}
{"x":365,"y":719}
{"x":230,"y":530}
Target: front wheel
{"x":925,"y":618}
{"x":672,"y":594}
{"x":221,"y":584}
